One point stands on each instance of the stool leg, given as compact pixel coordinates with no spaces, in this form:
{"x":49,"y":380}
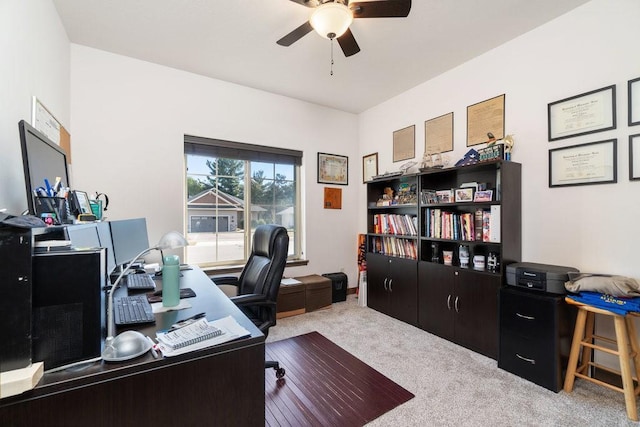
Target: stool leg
{"x":578,"y":333}
{"x":625,"y":368}
{"x":587,"y":352}
{"x":633,"y":338}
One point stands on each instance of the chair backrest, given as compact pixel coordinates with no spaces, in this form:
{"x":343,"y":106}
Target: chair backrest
{"x":263,"y":272}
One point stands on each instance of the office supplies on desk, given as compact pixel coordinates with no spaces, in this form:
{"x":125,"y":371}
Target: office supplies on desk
{"x":193,"y":333}
{"x":231,"y":330}
{"x":132,"y":309}
{"x":140,"y":282}
{"x":156,"y":296}
{"x":186,"y":322}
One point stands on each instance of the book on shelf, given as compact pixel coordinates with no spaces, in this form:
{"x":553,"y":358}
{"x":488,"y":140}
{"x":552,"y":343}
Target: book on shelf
{"x":478,"y":224}
{"x":201,"y":334}
{"x":494,"y":224}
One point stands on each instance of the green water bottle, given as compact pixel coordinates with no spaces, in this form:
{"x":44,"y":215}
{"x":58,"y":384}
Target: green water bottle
{"x":171,"y":281}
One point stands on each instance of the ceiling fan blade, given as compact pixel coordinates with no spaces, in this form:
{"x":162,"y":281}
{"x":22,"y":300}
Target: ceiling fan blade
{"x":348,"y":43}
{"x":381,"y":9}
{"x":296,"y":34}
{"x":308,"y":3}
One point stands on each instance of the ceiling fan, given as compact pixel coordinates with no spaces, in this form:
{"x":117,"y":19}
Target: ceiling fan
{"x":331,"y":19}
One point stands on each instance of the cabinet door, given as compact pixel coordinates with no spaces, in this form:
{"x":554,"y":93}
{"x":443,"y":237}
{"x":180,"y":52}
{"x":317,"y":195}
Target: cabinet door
{"x":377,"y":278}
{"x":436,"y":299}
{"x":476,"y":307}
{"x":403,"y":290}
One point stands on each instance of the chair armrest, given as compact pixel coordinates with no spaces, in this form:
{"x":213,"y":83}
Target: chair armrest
{"x":251,"y":299}
{"x":225,"y":280}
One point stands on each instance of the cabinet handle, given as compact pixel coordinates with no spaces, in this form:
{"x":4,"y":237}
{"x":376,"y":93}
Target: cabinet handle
{"x":532,"y":361}
{"x":525,"y":317}
{"x":455,"y":304}
{"x":390,"y":283}
{"x":449,"y":302}
{"x":384,"y":285}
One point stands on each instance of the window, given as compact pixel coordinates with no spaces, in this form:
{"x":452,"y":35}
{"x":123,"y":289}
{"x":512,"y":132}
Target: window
{"x":231,"y":189}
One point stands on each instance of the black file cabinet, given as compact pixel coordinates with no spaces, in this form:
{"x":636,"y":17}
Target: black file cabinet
{"x":535,"y":336}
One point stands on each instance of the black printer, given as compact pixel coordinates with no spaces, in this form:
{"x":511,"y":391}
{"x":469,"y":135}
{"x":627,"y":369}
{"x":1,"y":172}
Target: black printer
{"x":539,"y":277}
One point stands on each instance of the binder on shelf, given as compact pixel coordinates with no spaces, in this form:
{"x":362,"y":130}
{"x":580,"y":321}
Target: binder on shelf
{"x":494,"y":224}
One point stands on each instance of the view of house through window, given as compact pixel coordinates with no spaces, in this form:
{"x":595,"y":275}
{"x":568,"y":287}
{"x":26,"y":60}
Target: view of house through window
{"x":230,"y":193}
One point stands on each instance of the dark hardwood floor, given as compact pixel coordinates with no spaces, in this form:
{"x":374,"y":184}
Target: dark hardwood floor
{"x":325,"y":386}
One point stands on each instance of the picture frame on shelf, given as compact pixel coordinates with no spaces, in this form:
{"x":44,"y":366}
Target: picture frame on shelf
{"x":589,"y":112}
{"x":484,"y":117}
{"x":634,"y":157}
{"x":445,"y":196}
{"x":369,"y":167}
{"x":404,"y":143}
{"x":483,"y":196}
{"x":464,"y":194}
{"x":634,"y":101}
{"x":333,"y":169}
{"x":583,"y":164}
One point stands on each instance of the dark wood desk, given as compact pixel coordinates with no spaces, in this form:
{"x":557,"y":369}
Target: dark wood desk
{"x":220,"y":385}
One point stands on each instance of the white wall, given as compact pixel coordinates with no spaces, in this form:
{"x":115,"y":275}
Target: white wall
{"x":35,"y":62}
{"x":593,"y":227}
{"x":129,"y":119}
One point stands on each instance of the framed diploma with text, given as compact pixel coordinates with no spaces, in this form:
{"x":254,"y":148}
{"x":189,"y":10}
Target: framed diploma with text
{"x":438,"y":134}
{"x":591,"y":163}
{"x":483,"y":118}
{"x":404,"y":143}
{"x":634,"y":102}
{"x":634,"y":157}
{"x":582,"y":114}
{"x":369,"y":167}
{"x":333,"y":169}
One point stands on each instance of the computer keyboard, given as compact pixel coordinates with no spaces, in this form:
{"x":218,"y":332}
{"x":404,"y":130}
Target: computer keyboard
{"x":132,"y":309}
{"x":140,"y":282}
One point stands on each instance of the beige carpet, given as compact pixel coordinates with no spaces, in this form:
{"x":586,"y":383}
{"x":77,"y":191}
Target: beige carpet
{"x":453,"y":386}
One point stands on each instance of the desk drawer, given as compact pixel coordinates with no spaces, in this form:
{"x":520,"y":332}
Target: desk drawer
{"x":527,"y":315}
{"x":531,"y":359}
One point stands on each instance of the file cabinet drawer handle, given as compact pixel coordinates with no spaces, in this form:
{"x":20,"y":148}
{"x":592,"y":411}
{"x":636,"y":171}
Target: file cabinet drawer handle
{"x":532,"y":361}
{"x":525,"y":317}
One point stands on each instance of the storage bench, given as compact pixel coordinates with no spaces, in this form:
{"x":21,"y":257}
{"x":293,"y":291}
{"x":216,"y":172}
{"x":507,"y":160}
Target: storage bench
{"x":317,"y":291}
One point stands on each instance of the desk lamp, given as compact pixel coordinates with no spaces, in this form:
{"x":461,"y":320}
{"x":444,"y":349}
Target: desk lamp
{"x":130,"y":344}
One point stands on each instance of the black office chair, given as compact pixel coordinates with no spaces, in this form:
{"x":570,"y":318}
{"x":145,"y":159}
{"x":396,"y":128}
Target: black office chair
{"x":259,"y":282}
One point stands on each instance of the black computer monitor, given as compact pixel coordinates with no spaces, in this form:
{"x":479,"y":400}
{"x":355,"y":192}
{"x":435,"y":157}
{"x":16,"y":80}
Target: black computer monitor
{"x":104,"y":233}
{"x":129,"y":237}
{"x":41,"y":158}
{"x":84,"y":236}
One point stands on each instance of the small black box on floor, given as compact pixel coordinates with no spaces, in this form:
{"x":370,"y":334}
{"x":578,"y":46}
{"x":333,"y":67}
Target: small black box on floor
{"x":338,"y":286}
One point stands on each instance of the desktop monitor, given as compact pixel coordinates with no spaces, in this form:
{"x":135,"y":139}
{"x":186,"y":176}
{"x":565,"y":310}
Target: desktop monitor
{"x":129,"y":237}
{"x":104,"y":233}
{"x":41,"y":158}
{"x":83,"y":236}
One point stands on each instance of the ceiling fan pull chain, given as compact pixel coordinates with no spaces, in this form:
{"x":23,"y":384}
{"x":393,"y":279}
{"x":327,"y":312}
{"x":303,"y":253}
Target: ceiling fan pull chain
{"x":332,"y":57}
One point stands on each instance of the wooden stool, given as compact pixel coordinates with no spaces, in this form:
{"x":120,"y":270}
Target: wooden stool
{"x":625,"y":346}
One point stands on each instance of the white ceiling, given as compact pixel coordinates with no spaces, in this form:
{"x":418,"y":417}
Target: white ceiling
{"x":235,"y":41}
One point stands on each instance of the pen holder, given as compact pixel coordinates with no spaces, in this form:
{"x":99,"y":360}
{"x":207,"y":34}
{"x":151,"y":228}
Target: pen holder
{"x":171,"y":281}
{"x":52,"y":210}
{"x":96,"y":208}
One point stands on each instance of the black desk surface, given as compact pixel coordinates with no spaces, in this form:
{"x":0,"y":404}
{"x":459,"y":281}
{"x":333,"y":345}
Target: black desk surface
{"x":210,"y":300}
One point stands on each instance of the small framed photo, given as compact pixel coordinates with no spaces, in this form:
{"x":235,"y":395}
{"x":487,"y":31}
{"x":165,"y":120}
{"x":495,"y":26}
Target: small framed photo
{"x":464,"y":195}
{"x":634,"y":157}
{"x":483,"y":196}
{"x":445,"y":196}
{"x":333,"y":169}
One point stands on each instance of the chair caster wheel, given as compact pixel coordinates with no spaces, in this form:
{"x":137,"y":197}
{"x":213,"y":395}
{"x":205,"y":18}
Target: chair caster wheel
{"x":280,"y":373}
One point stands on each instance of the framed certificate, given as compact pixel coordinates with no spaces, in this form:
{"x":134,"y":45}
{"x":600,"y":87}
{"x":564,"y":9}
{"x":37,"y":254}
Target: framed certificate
{"x":582,"y":114}
{"x":404,"y":144}
{"x":369,"y":167}
{"x":438,"y":134}
{"x":591,"y":163}
{"x":333,"y":169}
{"x":634,"y":102}
{"x":634,"y":157}
{"x":483,"y":118}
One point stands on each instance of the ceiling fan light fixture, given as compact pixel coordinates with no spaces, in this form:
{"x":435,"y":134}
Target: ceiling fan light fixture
{"x":331,"y":20}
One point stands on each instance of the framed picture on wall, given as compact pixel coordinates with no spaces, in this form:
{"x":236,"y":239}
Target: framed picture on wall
{"x":369,"y":167}
{"x":438,"y":134}
{"x":634,"y":102}
{"x":634,"y":157}
{"x":333,"y":169}
{"x":591,"y":163}
{"x":483,"y":118}
{"x":582,"y":114}
{"x":404,"y":144}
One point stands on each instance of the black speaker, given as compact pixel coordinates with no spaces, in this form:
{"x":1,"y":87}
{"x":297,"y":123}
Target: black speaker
{"x":15,"y":298}
{"x":68,"y":306}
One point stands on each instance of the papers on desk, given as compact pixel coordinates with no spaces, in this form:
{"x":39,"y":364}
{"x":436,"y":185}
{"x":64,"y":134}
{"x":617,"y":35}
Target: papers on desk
{"x":230,"y":328}
{"x":289,"y":281}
